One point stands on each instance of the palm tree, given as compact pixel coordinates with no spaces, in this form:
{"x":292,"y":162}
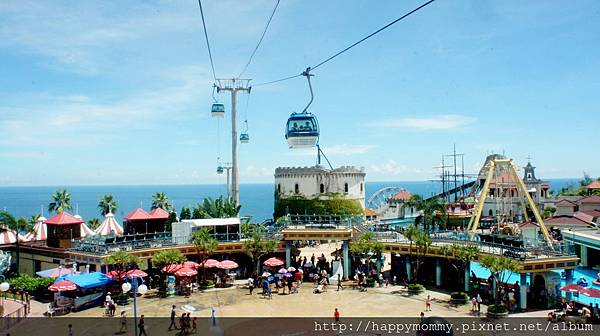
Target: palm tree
{"x":501,"y":269}
{"x":93,"y":223}
{"x":61,"y":200}
{"x":205,"y":245}
{"x":216,"y":208}
{"x":121,"y":262}
{"x":460,"y":257}
{"x":8,"y":221}
{"x":107,"y":204}
{"x":432,"y":211}
{"x":160,"y":200}
{"x":258,"y":246}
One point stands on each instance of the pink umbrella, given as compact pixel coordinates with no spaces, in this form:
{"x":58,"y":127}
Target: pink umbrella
{"x":572,"y":288}
{"x":209,"y":263}
{"x":185,"y":272}
{"x":273,"y":262}
{"x":171,"y":268}
{"x":591,"y":292}
{"x":227,"y":264}
{"x":137,"y":274}
{"x":191,"y":264}
{"x":116,"y":275}
{"x":63,"y":286}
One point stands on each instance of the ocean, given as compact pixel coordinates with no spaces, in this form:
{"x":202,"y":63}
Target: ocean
{"x":256,"y":199}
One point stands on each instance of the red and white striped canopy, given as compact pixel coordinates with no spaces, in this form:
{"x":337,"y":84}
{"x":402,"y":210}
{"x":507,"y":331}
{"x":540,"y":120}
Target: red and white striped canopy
{"x":109,"y":225}
{"x":185,"y":271}
{"x":227,"y":264}
{"x":85,"y":231}
{"x":62,"y":286}
{"x":136,"y":274}
{"x":274,"y":262}
{"x":209,"y":263}
{"x":8,"y":236}
{"x":40,"y":232}
{"x":191,"y":264}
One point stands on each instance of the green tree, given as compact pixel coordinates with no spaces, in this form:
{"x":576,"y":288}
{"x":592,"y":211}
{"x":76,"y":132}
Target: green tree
{"x":23,"y":225}
{"x":501,"y":268}
{"x":422,"y":243}
{"x":205,"y":245}
{"x":366,"y":245}
{"x":186,"y":213}
{"x":216,"y":208}
{"x":33,"y":219}
{"x":107,"y":204}
{"x":93,"y":223}
{"x":167,"y":257}
{"x":8,"y":220}
{"x":122,"y":262}
{"x":258,"y":246}
{"x":548,"y":212}
{"x":460,"y":257}
{"x":61,"y":200}
{"x":411,"y":233}
{"x":160,"y":200}
{"x":432,"y":211}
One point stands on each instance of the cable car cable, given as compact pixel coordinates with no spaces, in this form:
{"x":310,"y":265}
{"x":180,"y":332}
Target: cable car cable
{"x":354,"y":44}
{"x":212,"y":64}
{"x":260,"y":40}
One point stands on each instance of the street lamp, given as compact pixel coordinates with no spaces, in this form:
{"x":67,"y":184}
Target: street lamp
{"x":142,"y":289}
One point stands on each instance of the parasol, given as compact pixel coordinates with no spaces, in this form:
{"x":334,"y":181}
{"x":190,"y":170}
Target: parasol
{"x":227,"y":264}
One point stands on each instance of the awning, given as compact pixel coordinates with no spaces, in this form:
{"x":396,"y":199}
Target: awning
{"x":89,"y":280}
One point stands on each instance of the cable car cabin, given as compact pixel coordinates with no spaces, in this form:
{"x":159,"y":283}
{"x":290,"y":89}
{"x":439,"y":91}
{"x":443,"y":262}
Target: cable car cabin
{"x":244,"y":138}
{"x":218,"y":110}
{"x":302,"y":130}
{"x":219,"y":170}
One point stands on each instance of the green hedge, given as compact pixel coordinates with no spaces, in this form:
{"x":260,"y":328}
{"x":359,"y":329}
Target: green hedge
{"x":315,"y":206}
{"x":459,"y":296}
{"x":497,"y":309}
{"x":35,"y":286}
{"x":416,"y":287}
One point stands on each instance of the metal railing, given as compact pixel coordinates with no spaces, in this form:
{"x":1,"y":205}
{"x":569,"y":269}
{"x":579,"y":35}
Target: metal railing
{"x":9,"y":320}
{"x":321,"y":222}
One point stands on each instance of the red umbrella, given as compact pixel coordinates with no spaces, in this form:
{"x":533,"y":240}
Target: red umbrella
{"x":115,"y":275}
{"x":227,"y":264}
{"x":185,"y":272}
{"x":209,"y":263}
{"x":591,"y":292}
{"x":171,"y":268}
{"x":191,"y":264}
{"x":572,"y":288}
{"x":273,"y":262}
{"x":137,"y":274}
{"x":63,"y":286}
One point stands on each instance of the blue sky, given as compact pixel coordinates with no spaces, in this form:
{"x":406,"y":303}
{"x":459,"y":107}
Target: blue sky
{"x":119,"y":92}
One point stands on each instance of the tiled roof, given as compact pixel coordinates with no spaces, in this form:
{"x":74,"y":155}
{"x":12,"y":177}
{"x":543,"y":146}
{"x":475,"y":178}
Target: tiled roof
{"x":565,"y":202}
{"x":138,"y":214}
{"x":370,"y":213}
{"x":594,"y":185}
{"x":589,"y":199}
{"x":403,"y":195}
{"x":64,"y":218}
{"x":564,"y":221}
{"x":159,"y":213}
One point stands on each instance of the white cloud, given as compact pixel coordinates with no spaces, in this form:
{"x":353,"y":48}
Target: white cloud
{"x":253,"y":171}
{"x":392,"y":167}
{"x":440,"y":122}
{"x":336,"y":150}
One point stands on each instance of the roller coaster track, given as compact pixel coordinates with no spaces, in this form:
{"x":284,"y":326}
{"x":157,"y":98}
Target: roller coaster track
{"x":453,"y":191}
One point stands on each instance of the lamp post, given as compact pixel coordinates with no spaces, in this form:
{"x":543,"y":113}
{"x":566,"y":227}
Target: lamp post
{"x":4,"y":286}
{"x":142,"y":289}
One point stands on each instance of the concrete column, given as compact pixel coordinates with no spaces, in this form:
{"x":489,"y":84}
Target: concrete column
{"x":346,"y":257}
{"x":523,"y":291}
{"x":568,"y":280}
{"x":408,"y":269}
{"x":584,"y":256}
{"x":467,"y":277}
{"x":438,"y":273}
{"x":288,"y":253}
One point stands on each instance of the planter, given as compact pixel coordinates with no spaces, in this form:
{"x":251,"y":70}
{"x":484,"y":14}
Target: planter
{"x":496,"y":312}
{"x":415,"y":289}
{"x":459,"y":298}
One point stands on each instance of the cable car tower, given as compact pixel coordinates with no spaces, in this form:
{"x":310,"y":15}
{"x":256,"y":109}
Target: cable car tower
{"x":225,"y":167}
{"x":234,"y":86}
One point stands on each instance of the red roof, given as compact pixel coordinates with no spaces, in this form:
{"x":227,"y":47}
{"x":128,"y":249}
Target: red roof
{"x":159,"y":213}
{"x":564,"y":221}
{"x":528,"y":225}
{"x":593,"y":213}
{"x":565,"y":202}
{"x":590,"y":199}
{"x":64,"y":218}
{"x":594,"y":185}
{"x":370,"y":213}
{"x":402,"y":196}
{"x":138,"y":214}
{"x":584,"y":217}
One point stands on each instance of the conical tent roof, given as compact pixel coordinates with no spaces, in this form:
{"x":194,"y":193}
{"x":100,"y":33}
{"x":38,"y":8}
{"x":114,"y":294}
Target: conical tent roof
{"x":8,"y":236}
{"x":40,"y":232}
{"x":86,"y":231}
{"x":109,"y":225}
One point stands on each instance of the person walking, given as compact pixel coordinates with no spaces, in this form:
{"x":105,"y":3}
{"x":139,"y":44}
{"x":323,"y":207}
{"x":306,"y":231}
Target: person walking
{"x":339,"y":282}
{"x":71,"y":330}
{"x":336,"y":315}
{"x":479,"y":301}
{"x":142,"y":326}
{"x":428,"y":303}
{"x":123,"y":320}
{"x":173,"y":316}
{"x":250,"y":285}
{"x":473,"y":303}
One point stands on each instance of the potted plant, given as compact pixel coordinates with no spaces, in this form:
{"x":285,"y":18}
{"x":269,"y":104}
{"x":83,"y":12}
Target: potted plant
{"x":122,"y":299}
{"x":415,"y":289}
{"x":497,"y":311}
{"x":459,"y":298}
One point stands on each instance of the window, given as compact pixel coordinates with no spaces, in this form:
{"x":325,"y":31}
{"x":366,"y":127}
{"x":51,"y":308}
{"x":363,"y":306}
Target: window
{"x":361,"y":187}
{"x":279,"y":187}
{"x":322,"y":188}
{"x":345,"y":187}
{"x":296,"y":188}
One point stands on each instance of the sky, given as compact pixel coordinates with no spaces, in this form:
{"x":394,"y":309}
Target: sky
{"x":119,"y":92}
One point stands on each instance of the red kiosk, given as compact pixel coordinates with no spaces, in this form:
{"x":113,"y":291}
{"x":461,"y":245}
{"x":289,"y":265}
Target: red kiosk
{"x":62,"y":228}
{"x":140,"y":222}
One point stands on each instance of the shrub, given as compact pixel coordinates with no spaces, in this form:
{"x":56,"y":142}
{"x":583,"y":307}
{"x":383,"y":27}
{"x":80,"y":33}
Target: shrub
{"x":416,"y":287}
{"x":497,"y":309}
{"x":33,"y":285}
{"x":459,"y":296}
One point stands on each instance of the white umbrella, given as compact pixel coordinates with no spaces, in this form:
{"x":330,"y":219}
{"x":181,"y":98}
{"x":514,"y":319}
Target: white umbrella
{"x":266,"y":274}
{"x":282,"y":271}
{"x":291,"y":269}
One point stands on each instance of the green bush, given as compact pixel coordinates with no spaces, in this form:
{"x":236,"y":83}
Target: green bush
{"x":297,"y":204}
{"x":459,"y":296}
{"x":497,"y":309}
{"x":416,"y":287}
{"x":207,"y":284}
{"x":33,"y":285}
{"x":370,"y":282}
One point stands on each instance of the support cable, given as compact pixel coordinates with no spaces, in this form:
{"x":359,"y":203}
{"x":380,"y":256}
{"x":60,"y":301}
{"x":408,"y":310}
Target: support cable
{"x":260,"y":40}
{"x":212,"y":64}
